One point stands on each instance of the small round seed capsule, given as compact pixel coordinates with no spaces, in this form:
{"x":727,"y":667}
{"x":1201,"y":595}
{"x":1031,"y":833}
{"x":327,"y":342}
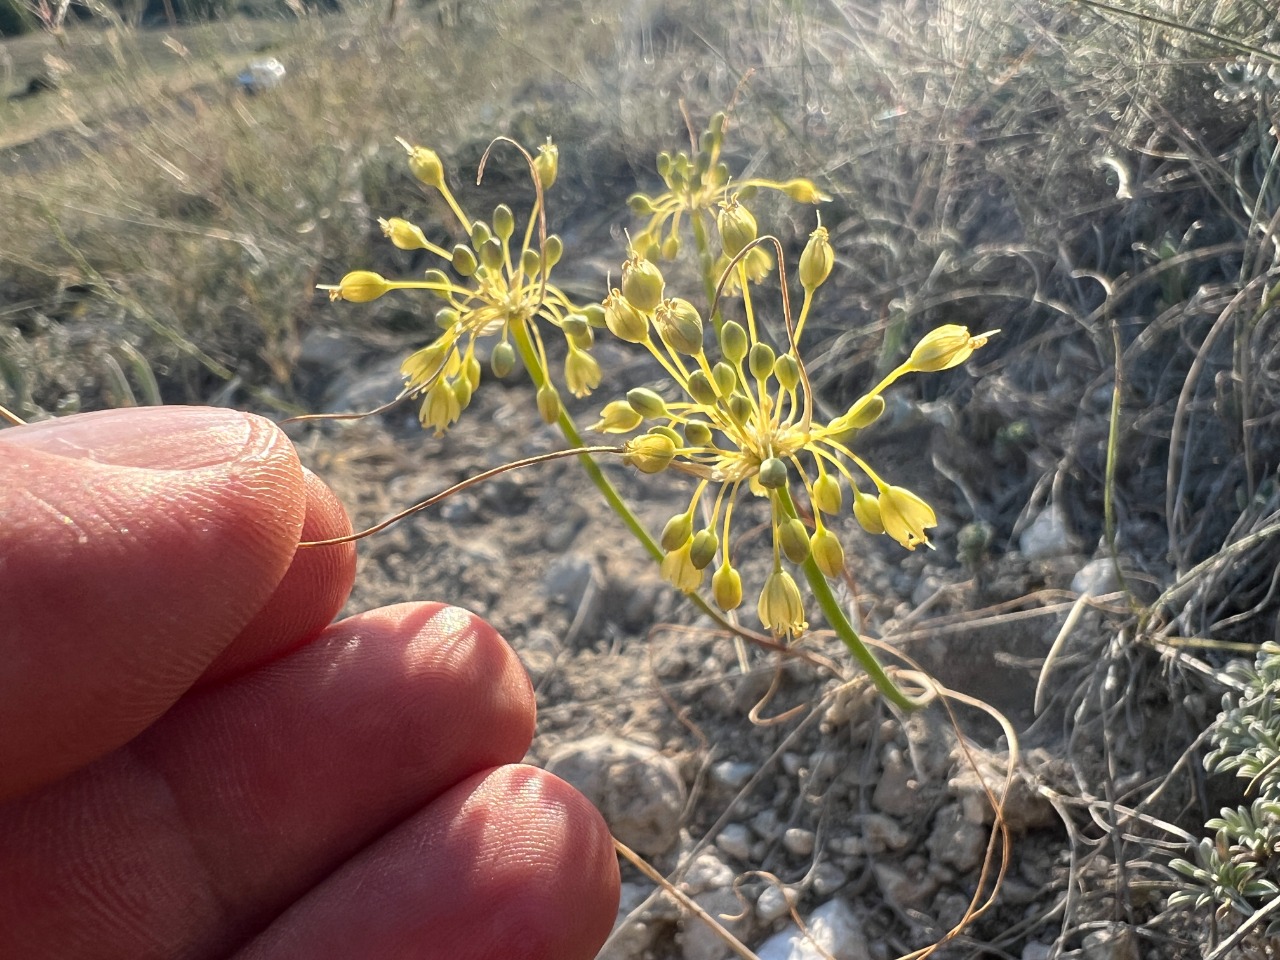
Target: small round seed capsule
{"x":733,"y":341}
{"x":726,"y":588}
{"x":697,"y":433}
{"x":646,"y":403}
{"x":504,"y":221}
{"x":503,"y":359}
{"x":703,"y":550}
{"x":650,"y":453}
{"x":552,"y":250}
{"x":642,"y":284}
{"x":737,"y":227}
{"x":547,"y":164}
{"x":773,"y":473}
{"x":726,"y":378}
{"x":464,"y":260}
{"x":677,"y":531}
{"x":701,"y":389}
{"x":794,"y":540}
{"x":679,"y":325}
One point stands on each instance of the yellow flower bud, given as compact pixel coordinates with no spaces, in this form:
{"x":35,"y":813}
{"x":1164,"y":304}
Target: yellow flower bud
{"x":581,"y":372}
{"x":647,"y":403}
{"x":787,"y":369}
{"x":760,"y":360}
{"x":403,"y":234}
{"x":670,"y":247}
{"x":677,"y":531}
{"x":425,"y":164}
{"x":642,"y":284}
{"x":464,"y":260}
{"x":359,"y":286}
{"x":726,"y":588}
{"x":737,"y":227}
{"x":617,"y":417}
{"x":462,"y":391}
{"x":773,"y":473}
{"x":866,"y":510}
{"x":905,"y":516}
{"x":700,"y":388}
{"x":547,"y":164}
{"x":503,"y":359}
{"x":862,"y":414}
{"x":740,"y":407}
{"x":803,"y":191}
{"x":733,"y":341}
{"x":504,"y":222}
{"x":945,"y":347}
{"x":697,"y":434}
{"x":827,"y":552}
{"x":471,"y":370}
{"x":780,"y":608}
{"x":817,"y":260}
{"x":650,"y":453}
{"x":703,"y":548}
{"x":793,"y":538}
{"x":726,"y":378}
{"x":548,"y":403}
{"x":827,"y":495}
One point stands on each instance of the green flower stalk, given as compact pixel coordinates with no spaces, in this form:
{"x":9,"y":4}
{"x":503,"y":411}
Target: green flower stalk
{"x":493,"y":287}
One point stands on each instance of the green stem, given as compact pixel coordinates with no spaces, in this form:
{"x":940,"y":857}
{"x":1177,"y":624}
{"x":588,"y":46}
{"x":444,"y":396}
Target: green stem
{"x":843,"y":628}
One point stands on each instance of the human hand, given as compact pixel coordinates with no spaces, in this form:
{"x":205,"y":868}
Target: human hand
{"x":194,"y":763}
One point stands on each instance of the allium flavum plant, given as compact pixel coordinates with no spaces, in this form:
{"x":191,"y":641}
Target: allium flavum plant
{"x":745,"y":420}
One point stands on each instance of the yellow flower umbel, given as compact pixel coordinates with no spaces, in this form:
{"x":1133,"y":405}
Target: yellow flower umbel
{"x":493,"y":288}
{"x":699,"y":187}
{"x":744,"y":422}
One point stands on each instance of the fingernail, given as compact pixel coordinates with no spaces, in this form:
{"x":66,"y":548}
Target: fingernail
{"x":160,"y":438}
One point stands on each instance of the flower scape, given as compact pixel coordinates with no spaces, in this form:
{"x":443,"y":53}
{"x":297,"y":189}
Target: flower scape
{"x":744,"y":422}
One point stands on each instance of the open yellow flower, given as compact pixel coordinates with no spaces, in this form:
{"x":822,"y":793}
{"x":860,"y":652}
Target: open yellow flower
{"x":905,"y":516}
{"x":780,"y":607}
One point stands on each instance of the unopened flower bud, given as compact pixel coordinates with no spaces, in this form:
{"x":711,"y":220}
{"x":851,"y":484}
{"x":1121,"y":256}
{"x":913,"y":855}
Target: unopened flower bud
{"x":552,"y":250}
{"x":726,"y":588}
{"x":642,"y":284}
{"x":725,"y":377}
{"x":670,"y":247}
{"x":701,"y":389}
{"x":462,"y":391}
{"x":650,"y":453}
{"x":677,"y":531}
{"x":646,"y":403}
{"x":760,"y":360}
{"x":740,"y":407}
{"x":827,"y":495}
{"x":446,"y":317}
{"x":617,"y":417}
{"x":641,"y":205}
{"x":946,"y":347}
{"x":575,"y":325}
{"x":773,"y":473}
{"x":359,"y":286}
{"x":504,"y":222}
{"x":703,"y":549}
{"x":548,"y":403}
{"x":816,"y":260}
{"x":503,"y":359}
{"x":794,"y":540}
{"x":530,"y":263}
{"x":594,"y":312}
{"x":464,"y":260}
{"x":733,"y":341}
{"x":480,"y":233}
{"x":697,"y":434}
{"x":866,"y":510}
{"x":803,"y":191}
{"x":787,"y":369}
{"x":862,"y":414}
{"x":491,"y":254}
{"x":827,"y":553}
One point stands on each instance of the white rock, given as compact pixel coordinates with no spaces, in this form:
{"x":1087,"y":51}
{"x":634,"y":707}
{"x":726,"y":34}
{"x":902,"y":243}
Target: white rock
{"x":698,"y":941}
{"x":732,"y":774}
{"x":1115,"y":943}
{"x":1096,"y":577}
{"x":774,"y":902}
{"x":955,"y":840}
{"x":708,"y":872}
{"x":834,"y":930}
{"x":828,"y":878}
{"x":637,"y":790}
{"x":735,"y":840}
{"x":798,"y":841}
{"x":880,"y":833}
{"x":1046,"y":536}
